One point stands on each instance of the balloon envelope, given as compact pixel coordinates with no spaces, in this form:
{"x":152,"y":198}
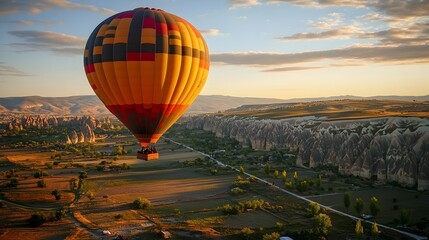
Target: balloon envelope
{"x":147,"y":66}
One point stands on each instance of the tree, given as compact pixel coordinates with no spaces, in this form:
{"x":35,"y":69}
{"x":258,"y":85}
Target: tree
{"x":41,"y":183}
{"x":313,"y":209}
{"x":83,"y":175}
{"x":295,"y":176}
{"x":374,"y":230}
{"x":347,"y":200}
{"x":321,"y":225}
{"x":359,"y":205}
{"x":272,"y":236}
{"x":276,"y":174}
{"x":36,"y":220}
{"x":267,"y":168}
{"x":13,"y":182}
{"x":246,"y":233}
{"x":241,"y":169}
{"x":318,"y":181}
{"x":284,"y":175}
{"x":359,"y":229}
{"x":57,"y":194}
{"x":374,"y":207}
{"x":405,"y":216}
{"x":142,"y":203}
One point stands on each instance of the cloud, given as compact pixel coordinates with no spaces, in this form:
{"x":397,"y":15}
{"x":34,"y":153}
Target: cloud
{"x":394,"y":54}
{"x":243,"y":3}
{"x":36,"y":7}
{"x":322,"y":3}
{"x":342,"y":32}
{"x":32,"y":22}
{"x":6,"y":70}
{"x":46,"y":40}
{"x":412,"y":34}
{"x":294,"y":68}
{"x":211,"y":32}
{"x":35,"y":36}
{"x":402,"y":9}
{"x":332,"y":20}
{"x":399,"y":9}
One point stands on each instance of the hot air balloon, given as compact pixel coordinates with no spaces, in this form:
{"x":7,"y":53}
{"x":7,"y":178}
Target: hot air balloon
{"x":147,"y":66}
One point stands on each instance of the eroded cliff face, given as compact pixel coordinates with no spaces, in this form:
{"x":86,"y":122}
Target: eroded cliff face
{"x":392,"y":149}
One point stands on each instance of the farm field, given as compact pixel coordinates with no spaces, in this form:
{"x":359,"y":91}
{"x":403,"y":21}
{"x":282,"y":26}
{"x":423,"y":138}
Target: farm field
{"x":187,"y":197}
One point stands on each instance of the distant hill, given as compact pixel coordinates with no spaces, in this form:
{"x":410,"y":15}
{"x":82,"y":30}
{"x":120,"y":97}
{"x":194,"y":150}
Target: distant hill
{"x":334,"y":109}
{"x":91,"y":105}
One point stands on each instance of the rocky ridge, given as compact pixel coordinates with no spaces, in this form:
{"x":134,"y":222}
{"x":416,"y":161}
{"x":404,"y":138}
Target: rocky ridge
{"x":390,"y":149}
{"x":85,"y":124}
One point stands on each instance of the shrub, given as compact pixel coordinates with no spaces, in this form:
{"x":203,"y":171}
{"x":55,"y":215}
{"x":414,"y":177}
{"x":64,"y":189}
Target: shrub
{"x":237,"y":190}
{"x":36,"y":220}
{"x":271,"y":236}
{"x":142,"y":203}
{"x":13,"y":182}
{"x":60,"y":213}
{"x":119,"y":216}
{"x":246,"y":233}
{"x":125,"y":166}
{"x":231,"y":210}
{"x":213,"y":171}
{"x":83,"y":175}
{"x":57,"y":194}
{"x":242,"y":183}
{"x":313,"y":209}
{"x":40,"y":174}
{"x":41,"y":183}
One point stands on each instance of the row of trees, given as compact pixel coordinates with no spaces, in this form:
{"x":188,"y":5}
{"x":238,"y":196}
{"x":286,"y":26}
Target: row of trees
{"x":374,"y":206}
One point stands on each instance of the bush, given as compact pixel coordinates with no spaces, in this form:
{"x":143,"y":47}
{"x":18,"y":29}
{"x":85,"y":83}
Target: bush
{"x":142,"y":203}
{"x":60,"y":213}
{"x":125,"y":166}
{"x":271,"y":236}
{"x":237,"y":190}
{"x":246,"y":233}
{"x":119,"y":216}
{"x":57,"y":194}
{"x":83,"y":175}
{"x":13,"y":182}
{"x":241,"y":183}
{"x":41,"y":183}
{"x":36,"y":220}
{"x":40,"y":174}
{"x":231,"y":210}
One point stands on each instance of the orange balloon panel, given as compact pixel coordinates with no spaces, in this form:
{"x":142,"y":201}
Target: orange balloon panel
{"x":147,"y":66}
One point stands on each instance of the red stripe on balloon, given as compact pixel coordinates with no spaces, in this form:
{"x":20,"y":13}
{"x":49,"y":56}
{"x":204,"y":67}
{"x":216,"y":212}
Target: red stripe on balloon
{"x":161,"y":28}
{"x":148,"y":23}
{"x":89,"y":68}
{"x":125,"y":15}
{"x":138,"y":56}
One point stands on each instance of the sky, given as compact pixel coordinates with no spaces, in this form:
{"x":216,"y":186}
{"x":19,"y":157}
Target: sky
{"x":258,"y":48}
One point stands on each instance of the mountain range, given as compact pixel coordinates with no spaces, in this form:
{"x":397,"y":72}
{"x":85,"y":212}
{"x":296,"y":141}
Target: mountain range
{"x":91,"y":105}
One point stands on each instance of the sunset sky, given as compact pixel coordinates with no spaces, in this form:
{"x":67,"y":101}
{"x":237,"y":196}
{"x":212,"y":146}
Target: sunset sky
{"x":258,"y":48}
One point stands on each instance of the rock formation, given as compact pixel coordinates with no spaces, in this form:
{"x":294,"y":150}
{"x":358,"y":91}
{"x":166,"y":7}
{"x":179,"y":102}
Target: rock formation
{"x":392,"y":149}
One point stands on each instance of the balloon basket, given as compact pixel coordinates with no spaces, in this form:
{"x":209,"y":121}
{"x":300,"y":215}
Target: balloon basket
{"x":148,"y":156}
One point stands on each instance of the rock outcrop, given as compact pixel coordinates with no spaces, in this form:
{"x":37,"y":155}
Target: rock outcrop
{"x":52,"y":121}
{"x":392,"y":149}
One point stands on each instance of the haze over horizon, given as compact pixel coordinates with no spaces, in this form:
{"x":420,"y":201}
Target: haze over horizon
{"x":301,"y":49}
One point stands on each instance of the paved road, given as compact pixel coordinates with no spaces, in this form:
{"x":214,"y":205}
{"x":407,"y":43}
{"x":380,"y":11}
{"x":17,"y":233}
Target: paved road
{"x":414,"y":236}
